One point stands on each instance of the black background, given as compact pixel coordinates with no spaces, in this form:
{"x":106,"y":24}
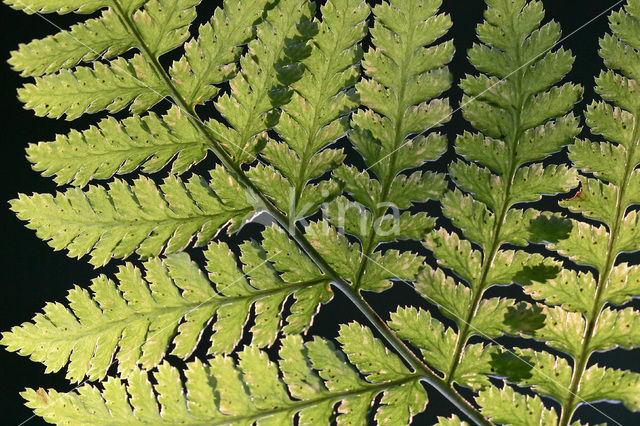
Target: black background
{"x":33,"y":274}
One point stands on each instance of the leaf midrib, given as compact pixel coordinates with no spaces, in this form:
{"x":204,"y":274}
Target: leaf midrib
{"x":294,"y":407}
{"x":97,"y":221}
{"x":463,"y":335}
{"x":569,"y":406}
{"x":132,"y":149}
{"x":306,"y":155}
{"x":236,"y":172}
{"x":218,"y":300}
{"x":388,"y":179}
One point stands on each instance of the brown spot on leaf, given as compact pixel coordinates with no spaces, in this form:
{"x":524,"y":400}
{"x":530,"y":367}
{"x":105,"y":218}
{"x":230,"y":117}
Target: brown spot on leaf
{"x":578,"y":197}
{"x":43,"y":396}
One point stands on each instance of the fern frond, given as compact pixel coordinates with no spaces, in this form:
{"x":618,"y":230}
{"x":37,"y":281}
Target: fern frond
{"x":66,"y":6}
{"x":104,"y":37}
{"x":137,"y":319}
{"x":316,"y":377}
{"x":451,"y":421}
{"x":551,"y":376}
{"x":209,"y":59}
{"x":345,"y":258}
{"x":162,"y":25}
{"x":292,"y":95}
{"x":506,"y":406}
{"x":317,"y":114}
{"x":171,"y":218}
{"x":495,"y":317}
{"x":158,"y":27}
{"x":404,"y":77}
{"x":143,"y":218}
{"x":267,"y":70}
{"x":113,"y":147}
{"x":112,"y":86}
{"x":523,"y":118}
{"x":582,"y":307}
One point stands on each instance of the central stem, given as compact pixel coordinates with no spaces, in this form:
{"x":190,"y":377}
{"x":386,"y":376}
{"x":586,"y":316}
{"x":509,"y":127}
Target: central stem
{"x":569,"y":406}
{"x":387,"y":180}
{"x":236,"y":172}
{"x":481,"y":284}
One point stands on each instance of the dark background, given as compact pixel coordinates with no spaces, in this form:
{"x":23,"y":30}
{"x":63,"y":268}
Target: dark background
{"x":33,"y":274}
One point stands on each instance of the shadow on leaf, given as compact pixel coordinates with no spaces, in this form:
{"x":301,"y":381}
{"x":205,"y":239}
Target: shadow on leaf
{"x":511,"y":366}
{"x":525,"y":318}
{"x":539,"y":273}
{"x":549,"y":229}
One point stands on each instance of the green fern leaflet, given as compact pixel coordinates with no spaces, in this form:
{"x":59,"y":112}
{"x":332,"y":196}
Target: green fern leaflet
{"x":327,"y":139}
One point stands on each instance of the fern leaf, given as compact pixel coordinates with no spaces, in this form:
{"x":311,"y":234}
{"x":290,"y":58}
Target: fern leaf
{"x":345,"y":258}
{"x":442,"y":290}
{"x":124,"y":146}
{"x":562,"y":330}
{"x":549,"y":375}
{"x":572,"y":290}
{"x":592,"y":200}
{"x":379,"y":365}
{"x":61,"y":6}
{"x":451,"y":421}
{"x":104,"y":37}
{"x":141,"y":218}
{"x":283,"y":194}
{"x":341,"y":255}
{"x":92,"y":89}
{"x":623,"y":284}
{"x":522,"y":116}
{"x":315,"y":377}
{"x":505,"y":406}
{"x":298,"y":83}
{"x":609,"y":384}
{"x":138,"y":318}
{"x":113,"y":147}
{"x":580,"y":322}
{"x":610,"y":164}
{"x":209,"y":58}
{"x":436,"y":342}
{"x":267,"y":70}
{"x":164,"y":24}
{"x":316,"y":115}
{"x":618,"y":328}
{"x":160,"y":26}
{"x":585,"y":244}
{"x":388,"y":266}
{"x":353,"y":218}
{"x":404,"y":77}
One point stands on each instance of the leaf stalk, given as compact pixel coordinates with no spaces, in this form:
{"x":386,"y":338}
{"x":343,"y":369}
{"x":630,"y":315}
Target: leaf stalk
{"x":354,"y":296}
